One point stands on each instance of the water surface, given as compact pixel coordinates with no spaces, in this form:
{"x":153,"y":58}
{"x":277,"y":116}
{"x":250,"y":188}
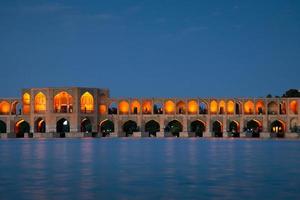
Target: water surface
{"x":173,"y":168}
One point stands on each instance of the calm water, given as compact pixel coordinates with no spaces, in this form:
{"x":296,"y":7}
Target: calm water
{"x":149,"y":169}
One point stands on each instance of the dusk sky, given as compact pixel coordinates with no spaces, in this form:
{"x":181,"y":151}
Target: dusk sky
{"x":160,"y":48}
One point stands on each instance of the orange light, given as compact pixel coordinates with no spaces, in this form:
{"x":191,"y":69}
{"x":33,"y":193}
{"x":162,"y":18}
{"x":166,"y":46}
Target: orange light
{"x":249,"y":107}
{"x":124,"y":107}
{"x":87,"y":102}
{"x":222,"y":106}
{"x":4,"y":107}
{"x":40,"y":102}
{"x":147,"y":107}
{"x":180,"y":107}
{"x":259,"y":106}
{"x":102,"y":109}
{"x":169,"y":107}
{"x":213,"y":107}
{"x":230,"y":107}
{"x":62,"y":99}
{"x":135,"y":105}
{"x":294,"y":106}
{"x":26,"y":103}
{"x":192,"y":107}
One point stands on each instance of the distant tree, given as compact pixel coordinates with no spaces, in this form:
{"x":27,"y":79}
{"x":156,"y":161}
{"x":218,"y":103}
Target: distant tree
{"x":291,"y":93}
{"x":269,"y":96}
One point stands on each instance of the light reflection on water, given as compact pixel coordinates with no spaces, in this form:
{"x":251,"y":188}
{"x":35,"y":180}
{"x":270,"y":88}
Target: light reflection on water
{"x":170,"y":168}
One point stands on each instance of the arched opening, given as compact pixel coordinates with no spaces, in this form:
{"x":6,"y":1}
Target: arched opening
{"x":192,"y":107}
{"x":230,"y":107}
{"x":62,"y":126}
{"x":152,"y":127}
{"x":135,"y":107}
{"x":203,"y":108}
{"x":26,"y":103}
{"x":213,"y":107}
{"x":2,"y":127}
{"x":253,"y":128}
{"x":238,"y":108}
{"x":260,"y":107}
{"x":113,"y":109}
{"x":87,"y":103}
{"x":22,"y":127}
{"x":294,"y":107}
{"x":198,"y":127}
{"x":40,"y":126}
{"x":124,"y":108}
{"x":222,"y":106}
{"x":158,"y":108}
{"x":169,"y":107}
{"x":282,"y":108}
{"x":86,"y":125}
{"x":278,"y":128}
{"x":174,"y":127}
{"x":217,"y":129}
{"x":234,"y":129}
{"x":147,"y":107}
{"x":40,"y":103}
{"x":294,"y":125}
{"x":272,"y":108}
{"x":102,"y":109}
{"x":63,"y":103}
{"x":107,"y":127}
{"x":180,"y":107}
{"x":249,"y":108}
{"x":129,"y":127}
{"x":14,"y":107}
{"x":4,"y":108}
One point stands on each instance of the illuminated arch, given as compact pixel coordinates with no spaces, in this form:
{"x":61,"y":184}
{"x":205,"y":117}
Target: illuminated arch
{"x":22,"y":127}
{"x":260,"y":107}
{"x":147,"y":107}
{"x":39,"y":102}
{"x":63,"y":103}
{"x":282,"y":108}
{"x":87,"y":103}
{"x":4,"y":108}
{"x":254,"y":127}
{"x":278,"y":127}
{"x":249,"y":107}
{"x":230,"y":107}
{"x":234,"y":128}
{"x":169,"y":107}
{"x":102,"y":109}
{"x":106,"y":127}
{"x":222,"y":107}
{"x":14,"y":106}
{"x":26,"y":103}
{"x":238,"y":108}
{"x":213,"y":107}
{"x":123,"y":107}
{"x":294,"y":107}
{"x":135,"y":107}
{"x":272,"y":108}
{"x":180,"y":107}
{"x":192,"y":107}
{"x":40,"y":126}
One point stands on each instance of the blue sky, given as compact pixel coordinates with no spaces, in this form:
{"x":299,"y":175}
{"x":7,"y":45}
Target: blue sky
{"x":152,"y":48}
